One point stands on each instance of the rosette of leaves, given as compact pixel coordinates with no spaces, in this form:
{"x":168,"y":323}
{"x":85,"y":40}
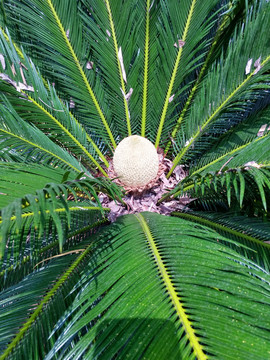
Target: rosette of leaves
{"x":76,"y":78}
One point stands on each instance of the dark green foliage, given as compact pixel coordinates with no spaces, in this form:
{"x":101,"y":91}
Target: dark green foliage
{"x":76,"y":77}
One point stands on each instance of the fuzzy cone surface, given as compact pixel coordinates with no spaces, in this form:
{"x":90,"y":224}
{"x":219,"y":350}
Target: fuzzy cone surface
{"x":135,"y":161}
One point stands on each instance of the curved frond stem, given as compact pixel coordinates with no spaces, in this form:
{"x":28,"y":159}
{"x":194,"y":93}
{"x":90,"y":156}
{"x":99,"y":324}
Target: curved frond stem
{"x":40,"y":148}
{"x":192,"y":184}
{"x":59,"y":255}
{"x":197,"y":83}
{"x":221,"y":227}
{"x":76,"y":60}
{"x":44,"y":302}
{"x":69,"y":134}
{"x":211,"y":118}
{"x":176,"y":301}
{"x":176,"y":65}
{"x":88,"y":137}
{"x":146,"y":65}
{"x":59,"y":210}
{"x":228,"y":154}
{"x":55,"y":244}
{"x":119,"y":65}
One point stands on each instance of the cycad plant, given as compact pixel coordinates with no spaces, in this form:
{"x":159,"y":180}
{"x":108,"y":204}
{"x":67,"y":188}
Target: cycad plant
{"x":156,"y":248}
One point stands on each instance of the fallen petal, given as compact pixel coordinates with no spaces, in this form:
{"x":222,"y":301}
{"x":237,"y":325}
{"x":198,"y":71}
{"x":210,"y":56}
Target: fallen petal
{"x":120,"y":57}
{"x":89,"y":65}
{"x":181,"y":43}
{"x":171,"y":98}
{"x":258,"y":62}
{"x":262,"y":130}
{"x":248,"y":66}
{"x":2,"y":61}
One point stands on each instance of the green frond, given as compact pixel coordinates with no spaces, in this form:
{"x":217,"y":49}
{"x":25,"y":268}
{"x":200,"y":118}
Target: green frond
{"x":242,"y":143}
{"x":40,"y":292}
{"x":120,"y":70}
{"x":19,"y":179}
{"x":29,"y":243}
{"x":176,"y":64}
{"x":8,"y":39}
{"x":24,"y":296}
{"x":194,"y":341}
{"x":81,"y":71}
{"x":51,"y":33}
{"x":30,"y":142}
{"x":34,"y":249}
{"x":242,"y":185}
{"x":255,"y":229}
{"x":45,"y":103}
{"x":30,"y":196}
{"x":106,"y":48}
{"x":227,"y":89}
{"x":77,"y":77}
{"x":146,"y":66}
{"x":187,"y":29}
{"x":154,"y":260}
{"x":214,"y":44}
{"x":235,"y":14}
{"x":237,"y":227}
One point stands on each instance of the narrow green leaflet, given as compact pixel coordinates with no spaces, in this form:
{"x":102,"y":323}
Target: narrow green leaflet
{"x":227,"y":95}
{"x":158,"y":265}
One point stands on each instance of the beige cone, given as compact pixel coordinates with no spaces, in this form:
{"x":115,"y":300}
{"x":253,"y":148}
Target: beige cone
{"x":135,"y":161}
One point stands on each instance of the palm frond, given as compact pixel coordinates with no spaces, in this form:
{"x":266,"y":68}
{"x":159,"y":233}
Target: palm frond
{"x":180,"y":45}
{"x":18,"y":297}
{"x":44,"y":103}
{"x":186,"y":29}
{"x":40,"y":295}
{"x":150,"y":253}
{"x":241,"y":229}
{"x":35,"y":196}
{"x":237,"y":144}
{"x":18,"y":136}
{"x":228,"y":91}
{"x":19,"y":179}
{"x":233,"y":14}
{"x":52,"y":34}
{"x":29,"y":249}
{"x":120,"y":65}
{"x":243,"y":185}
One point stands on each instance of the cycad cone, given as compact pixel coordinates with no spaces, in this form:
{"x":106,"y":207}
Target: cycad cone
{"x":135,"y":161}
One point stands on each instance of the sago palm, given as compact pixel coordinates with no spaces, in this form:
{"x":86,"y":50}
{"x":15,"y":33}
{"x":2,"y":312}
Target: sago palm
{"x":156,"y":248}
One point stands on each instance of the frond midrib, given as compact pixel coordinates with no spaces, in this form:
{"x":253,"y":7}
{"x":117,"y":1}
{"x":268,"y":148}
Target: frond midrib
{"x":118,"y":65}
{"x":221,"y":227}
{"x":195,"y":136}
{"x":175,"y":299}
{"x":59,"y":210}
{"x":78,"y":65}
{"x":146,"y":68}
{"x":68,"y":133}
{"x":174,"y":72}
{"x":44,"y":302}
{"x":40,"y":148}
